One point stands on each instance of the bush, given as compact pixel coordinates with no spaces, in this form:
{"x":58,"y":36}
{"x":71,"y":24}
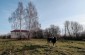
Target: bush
{"x":73,"y":38}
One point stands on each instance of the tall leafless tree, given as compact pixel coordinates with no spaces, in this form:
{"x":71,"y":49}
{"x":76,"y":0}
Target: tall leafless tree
{"x":76,"y":28}
{"x":31,"y":17}
{"x":67,"y":28}
{"x":17,"y":17}
{"x":72,"y":28}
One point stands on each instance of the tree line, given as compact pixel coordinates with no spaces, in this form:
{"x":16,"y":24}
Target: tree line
{"x":72,"y":31}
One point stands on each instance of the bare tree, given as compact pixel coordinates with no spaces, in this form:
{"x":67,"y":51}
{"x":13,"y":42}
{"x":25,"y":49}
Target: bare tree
{"x":67,"y":28}
{"x":13,"y":21}
{"x":53,"y":30}
{"x":31,"y":17}
{"x":72,"y":28}
{"x":17,"y":17}
{"x":76,"y":28}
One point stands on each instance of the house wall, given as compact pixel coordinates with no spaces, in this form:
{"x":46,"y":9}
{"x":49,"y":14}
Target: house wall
{"x":13,"y":35}
{"x":16,"y":34}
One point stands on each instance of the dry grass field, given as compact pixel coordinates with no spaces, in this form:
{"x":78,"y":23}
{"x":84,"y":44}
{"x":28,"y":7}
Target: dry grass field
{"x":40,"y":47}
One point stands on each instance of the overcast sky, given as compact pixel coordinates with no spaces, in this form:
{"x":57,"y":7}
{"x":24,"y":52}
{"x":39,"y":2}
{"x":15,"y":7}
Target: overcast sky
{"x":49,"y":12}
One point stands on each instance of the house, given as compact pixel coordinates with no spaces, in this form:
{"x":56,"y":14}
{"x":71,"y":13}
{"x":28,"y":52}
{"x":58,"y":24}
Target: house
{"x":16,"y":34}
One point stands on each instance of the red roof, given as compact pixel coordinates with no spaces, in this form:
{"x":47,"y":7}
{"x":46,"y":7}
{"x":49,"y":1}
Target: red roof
{"x":19,"y":31}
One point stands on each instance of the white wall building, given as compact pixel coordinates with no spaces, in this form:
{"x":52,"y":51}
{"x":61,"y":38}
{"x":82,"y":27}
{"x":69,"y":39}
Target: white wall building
{"x":15,"y":34}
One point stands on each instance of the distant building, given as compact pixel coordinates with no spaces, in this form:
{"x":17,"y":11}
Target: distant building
{"x":16,"y":33}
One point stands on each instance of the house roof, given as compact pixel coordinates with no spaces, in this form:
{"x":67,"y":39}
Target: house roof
{"x":19,"y":31}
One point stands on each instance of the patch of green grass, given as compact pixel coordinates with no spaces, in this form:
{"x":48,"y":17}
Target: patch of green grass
{"x":40,"y":47}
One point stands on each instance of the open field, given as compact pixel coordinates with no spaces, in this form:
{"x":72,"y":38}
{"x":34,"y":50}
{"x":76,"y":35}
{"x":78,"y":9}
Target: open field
{"x":40,"y":47}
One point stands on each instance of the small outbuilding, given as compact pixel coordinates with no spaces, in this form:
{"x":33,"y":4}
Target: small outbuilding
{"x":16,"y":33}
